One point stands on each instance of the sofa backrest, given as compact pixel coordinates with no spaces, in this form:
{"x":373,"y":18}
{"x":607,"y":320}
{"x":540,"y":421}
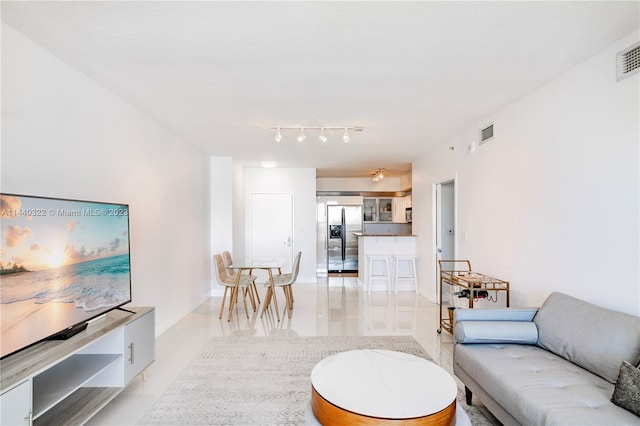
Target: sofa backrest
{"x":595,"y":338}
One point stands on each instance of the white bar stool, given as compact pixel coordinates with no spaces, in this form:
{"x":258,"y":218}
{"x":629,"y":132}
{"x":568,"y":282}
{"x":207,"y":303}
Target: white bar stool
{"x":384,"y":261}
{"x":410,"y":268}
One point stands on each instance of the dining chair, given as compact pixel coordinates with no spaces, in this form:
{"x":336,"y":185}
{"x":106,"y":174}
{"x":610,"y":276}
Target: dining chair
{"x":285,"y":281}
{"x":227,"y":259}
{"x":225,"y":280}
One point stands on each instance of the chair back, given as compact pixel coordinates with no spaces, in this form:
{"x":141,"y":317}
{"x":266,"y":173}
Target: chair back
{"x":221,"y":270}
{"x":296,"y":267}
{"x":226,"y":257}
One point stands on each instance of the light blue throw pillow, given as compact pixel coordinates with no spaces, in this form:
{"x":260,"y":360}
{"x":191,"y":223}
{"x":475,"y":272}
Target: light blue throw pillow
{"x":522,"y":332}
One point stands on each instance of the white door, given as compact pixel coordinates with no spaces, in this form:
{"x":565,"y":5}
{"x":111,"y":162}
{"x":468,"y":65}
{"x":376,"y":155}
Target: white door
{"x":444,"y":227}
{"x":271,"y":227}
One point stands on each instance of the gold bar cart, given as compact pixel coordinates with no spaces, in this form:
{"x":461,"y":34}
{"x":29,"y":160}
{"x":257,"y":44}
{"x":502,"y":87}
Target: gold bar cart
{"x":460,"y":280}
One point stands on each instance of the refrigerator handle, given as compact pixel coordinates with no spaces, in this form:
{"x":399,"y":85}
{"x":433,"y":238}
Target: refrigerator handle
{"x":344,"y":235}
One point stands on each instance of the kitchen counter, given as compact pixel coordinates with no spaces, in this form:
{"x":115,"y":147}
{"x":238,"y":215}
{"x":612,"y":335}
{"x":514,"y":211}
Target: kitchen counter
{"x":387,"y":244}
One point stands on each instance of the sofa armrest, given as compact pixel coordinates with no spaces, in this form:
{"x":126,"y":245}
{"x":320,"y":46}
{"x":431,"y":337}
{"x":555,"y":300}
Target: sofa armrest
{"x":503,"y":314}
{"x":522,"y":332}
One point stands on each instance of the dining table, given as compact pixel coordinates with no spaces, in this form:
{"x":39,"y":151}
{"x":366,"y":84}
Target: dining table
{"x":266,"y":264}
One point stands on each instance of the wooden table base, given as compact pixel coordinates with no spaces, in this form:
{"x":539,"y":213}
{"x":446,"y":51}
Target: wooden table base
{"x":328,"y":414}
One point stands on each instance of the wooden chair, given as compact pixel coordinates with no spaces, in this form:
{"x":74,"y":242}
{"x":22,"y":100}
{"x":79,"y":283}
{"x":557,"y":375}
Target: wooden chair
{"x":285,"y":281}
{"x":225,"y":280}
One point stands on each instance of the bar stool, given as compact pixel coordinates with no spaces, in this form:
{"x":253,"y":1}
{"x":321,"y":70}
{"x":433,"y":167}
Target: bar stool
{"x":385,"y":262}
{"x":409,"y":275}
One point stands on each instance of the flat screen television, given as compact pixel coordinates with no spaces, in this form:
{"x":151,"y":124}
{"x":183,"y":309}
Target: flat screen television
{"x":62,"y":263}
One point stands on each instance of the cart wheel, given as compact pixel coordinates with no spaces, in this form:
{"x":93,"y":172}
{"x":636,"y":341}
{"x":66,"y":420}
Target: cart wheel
{"x":439,"y":331}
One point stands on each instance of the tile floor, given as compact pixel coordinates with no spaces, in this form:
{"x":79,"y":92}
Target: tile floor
{"x":333,"y":306}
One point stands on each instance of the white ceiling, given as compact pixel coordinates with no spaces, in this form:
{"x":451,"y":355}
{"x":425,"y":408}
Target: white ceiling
{"x":413,"y":74}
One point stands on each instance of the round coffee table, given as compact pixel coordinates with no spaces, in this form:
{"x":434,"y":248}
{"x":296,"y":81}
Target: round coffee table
{"x":382,"y":387}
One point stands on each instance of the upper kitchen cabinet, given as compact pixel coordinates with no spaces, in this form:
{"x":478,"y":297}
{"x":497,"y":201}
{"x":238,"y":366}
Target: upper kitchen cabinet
{"x":400,"y":206}
{"x":370,"y":209}
{"x":385,"y":209}
{"x":378,"y":209}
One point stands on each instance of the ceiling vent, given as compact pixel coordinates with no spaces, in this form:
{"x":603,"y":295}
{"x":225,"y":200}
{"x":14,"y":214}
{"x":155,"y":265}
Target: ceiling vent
{"x":486,"y":134}
{"x":628,"y":62}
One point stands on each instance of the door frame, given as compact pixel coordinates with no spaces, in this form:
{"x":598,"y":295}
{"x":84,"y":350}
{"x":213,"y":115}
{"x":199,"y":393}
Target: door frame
{"x":435,"y":232}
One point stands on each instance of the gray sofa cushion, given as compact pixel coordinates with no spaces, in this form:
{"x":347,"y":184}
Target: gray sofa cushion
{"x":592,"y":337}
{"x":540,"y":388}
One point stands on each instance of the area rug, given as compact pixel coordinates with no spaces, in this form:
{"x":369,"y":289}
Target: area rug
{"x":262,"y":380}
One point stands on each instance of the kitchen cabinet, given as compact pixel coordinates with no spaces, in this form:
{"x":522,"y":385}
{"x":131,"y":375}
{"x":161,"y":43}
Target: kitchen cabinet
{"x":400,"y":205}
{"x":370,"y":209}
{"x":385,"y":209}
{"x":398,"y":210}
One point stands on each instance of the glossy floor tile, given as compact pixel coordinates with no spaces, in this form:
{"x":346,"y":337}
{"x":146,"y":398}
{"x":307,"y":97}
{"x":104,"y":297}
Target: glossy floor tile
{"x":334,"y":306}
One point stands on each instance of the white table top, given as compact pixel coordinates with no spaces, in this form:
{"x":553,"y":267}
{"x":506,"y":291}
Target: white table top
{"x":381,"y":383}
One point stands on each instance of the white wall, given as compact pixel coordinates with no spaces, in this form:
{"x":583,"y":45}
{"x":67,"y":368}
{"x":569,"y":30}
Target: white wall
{"x":238,"y":210}
{"x":221,"y":213}
{"x":302,"y":183}
{"x":65,"y":136}
{"x":551,"y":204}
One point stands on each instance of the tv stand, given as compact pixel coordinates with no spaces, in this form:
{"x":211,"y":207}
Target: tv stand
{"x":69,"y":332}
{"x":68,"y":381}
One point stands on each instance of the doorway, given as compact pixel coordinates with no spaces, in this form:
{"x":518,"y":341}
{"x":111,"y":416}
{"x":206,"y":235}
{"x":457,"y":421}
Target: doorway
{"x":445,"y":219}
{"x":271,"y":227}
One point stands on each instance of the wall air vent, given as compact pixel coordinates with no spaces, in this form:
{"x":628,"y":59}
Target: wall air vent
{"x":628,"y":62}
{"x":486,"y":134}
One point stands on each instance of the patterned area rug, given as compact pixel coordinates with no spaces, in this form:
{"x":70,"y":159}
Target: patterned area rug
{"x":262,"y":381}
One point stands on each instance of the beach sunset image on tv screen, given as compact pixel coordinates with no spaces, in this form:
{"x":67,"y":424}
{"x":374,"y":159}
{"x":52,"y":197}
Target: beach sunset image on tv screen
{"x":62,"y":262}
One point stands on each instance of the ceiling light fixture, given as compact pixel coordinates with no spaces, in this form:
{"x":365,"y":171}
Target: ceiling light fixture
{"x":301,"y":136}
{"x":377,"y":175}
{"x":324,"y":130}
{"x":322,"y":137}
{"x":268,"y":164}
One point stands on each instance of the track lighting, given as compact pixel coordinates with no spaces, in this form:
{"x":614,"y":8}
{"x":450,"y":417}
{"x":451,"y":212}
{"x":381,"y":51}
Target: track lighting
{"x":301,"y":136}
{"x":323,"y":132}
{"x":345,"y":137}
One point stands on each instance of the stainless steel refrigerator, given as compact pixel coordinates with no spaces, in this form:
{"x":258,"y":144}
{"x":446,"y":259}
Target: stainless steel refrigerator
{"x":342,"y":245}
